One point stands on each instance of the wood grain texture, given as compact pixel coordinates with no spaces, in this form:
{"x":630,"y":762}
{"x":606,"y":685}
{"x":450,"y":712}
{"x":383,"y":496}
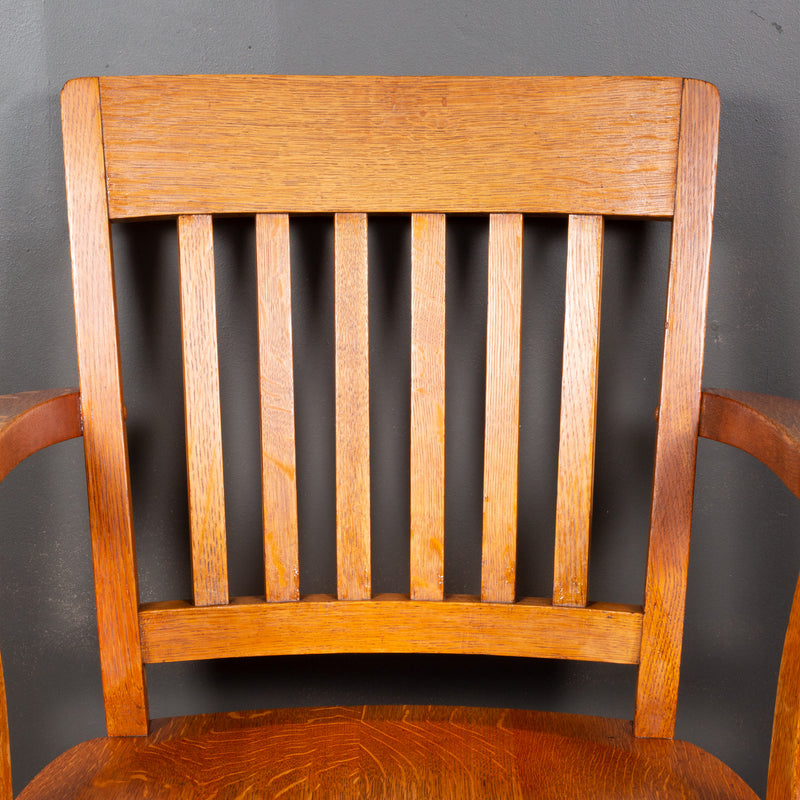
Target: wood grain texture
{"x":427,"y":405}
{"x":783,"y":776}
{"x":392,"y":753}
{"x":768,"y":428}
{"x":203,"y":420}
{"x":176,"y":631}
{"x":765,"y":426}
{"x":30,"y":421}
{"x":679,"y":411}
{"x":278,"y":461}
{"x":5,"y":745}
{"x":501,"y":448}
{"x":578,"y":410}
{"x":329,"y":144}
{"x":104,"y":435}
{"x":352,"y":408}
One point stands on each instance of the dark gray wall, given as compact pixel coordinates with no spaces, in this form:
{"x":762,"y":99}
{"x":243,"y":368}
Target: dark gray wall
{"x":745,"y":553}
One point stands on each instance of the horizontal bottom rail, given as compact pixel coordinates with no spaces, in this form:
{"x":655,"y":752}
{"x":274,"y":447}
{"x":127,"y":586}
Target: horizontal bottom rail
{"x":249,"y":626}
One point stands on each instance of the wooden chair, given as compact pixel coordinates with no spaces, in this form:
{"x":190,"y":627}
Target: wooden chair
{"x":194,"y":147}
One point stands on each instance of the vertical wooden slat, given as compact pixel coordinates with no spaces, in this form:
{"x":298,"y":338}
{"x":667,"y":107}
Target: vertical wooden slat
{"x":427,"y":405}
{"x":578,"y":410}
{"x":679,"y":409}
{"x":201,"y":399}
{"x":352,"y":408}
{"x":501,"y":451}
{"x":278,"y":464}
{"x":104,"y":436}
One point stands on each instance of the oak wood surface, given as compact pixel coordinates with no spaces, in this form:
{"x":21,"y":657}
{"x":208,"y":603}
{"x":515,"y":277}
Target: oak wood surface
{"x":173,"y":631}
{"x":352,"y":408}
{"x":768,"y":428}
{"x":332,"y":144}
{"x":104,"y":435}
{"x":202,"y":410}
{"x":269,"y":146}
{"x":501,"y":448}
{"x":30,"y":421}
{"x":427,"y":464}
{"x":389,"y":752}
{"x":679,"y":411}
{"x":5,"y":745}
{"x":278,"y":462}
{"x":765,"y":426}
{"x":578,"y":410}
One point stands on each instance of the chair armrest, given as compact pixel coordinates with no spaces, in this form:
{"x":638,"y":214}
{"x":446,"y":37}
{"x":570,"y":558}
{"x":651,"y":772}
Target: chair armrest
{"x":768,"y":428}
{"x":5,"y":751}
{"x":30,"y":421}
{"x":765,"y":426}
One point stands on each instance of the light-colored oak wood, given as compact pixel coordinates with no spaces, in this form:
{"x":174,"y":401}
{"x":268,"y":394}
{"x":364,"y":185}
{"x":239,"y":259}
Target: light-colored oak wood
{"x":278,"y":462}
{"x":501,"y":449}
{"x":175,"y":631}
{"x":352,"y":408}
{"x":679,"y":411}
{"x":30,"y":421}
{"x":202,"y":409}
{"x":104,"y":435}
{"x":427,"y":405}
{"x":5,"y":745}
{"x":578,"y":410}
{"x":322,"y":144}
{"x":390,"y":752}
{"x":269,"y":146}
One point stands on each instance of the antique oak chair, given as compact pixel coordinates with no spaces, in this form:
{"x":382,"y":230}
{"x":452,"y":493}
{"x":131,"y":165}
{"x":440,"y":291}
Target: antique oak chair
{"x":190,"y":148}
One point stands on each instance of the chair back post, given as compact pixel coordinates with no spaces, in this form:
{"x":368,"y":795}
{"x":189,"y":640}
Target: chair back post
{"x":104,"y":434}
{"x":678,"y":413}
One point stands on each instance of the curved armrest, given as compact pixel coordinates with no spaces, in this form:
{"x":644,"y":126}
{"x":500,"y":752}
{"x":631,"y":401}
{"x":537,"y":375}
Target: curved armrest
{"x":30,"y":421}
{"x":5,"y":752}
{"x":768,"y":428}
{"x":765,"y":426}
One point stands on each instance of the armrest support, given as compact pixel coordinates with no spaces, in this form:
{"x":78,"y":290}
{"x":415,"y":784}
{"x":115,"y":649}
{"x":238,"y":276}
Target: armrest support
{"x":5,"y":752}
{"x":30,"y":421}
{"x":765,"y":426}
{"x":768,"y":428}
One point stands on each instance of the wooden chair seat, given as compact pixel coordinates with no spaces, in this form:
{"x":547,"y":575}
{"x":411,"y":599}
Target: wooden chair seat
{"x":387,"y":752}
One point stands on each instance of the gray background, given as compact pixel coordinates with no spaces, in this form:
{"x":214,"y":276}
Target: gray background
{"x":745,"y":554}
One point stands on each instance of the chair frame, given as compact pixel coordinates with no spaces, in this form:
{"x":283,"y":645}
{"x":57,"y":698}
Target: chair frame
{"x":421,"y":133}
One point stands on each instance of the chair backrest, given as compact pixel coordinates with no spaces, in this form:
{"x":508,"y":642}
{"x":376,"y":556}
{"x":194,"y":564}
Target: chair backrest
{"x":194,"y":147}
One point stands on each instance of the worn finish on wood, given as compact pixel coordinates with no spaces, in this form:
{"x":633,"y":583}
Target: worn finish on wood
{"x":352,"y":408}
{"x":175,"y":631}
{"x":427,"y":405}
{"x":266,"y":146}
{"x":501,"y":449}
{"x":30,"y":421}
{"x":104,"y":436}
{"x":5,"y":749}
{"x":396,"y":752}
{"x":458,"y":144}
{"x":765,"y":426}
{"x":679,"y":410}
{"x":203,"y":420}
{"x":278,"y":463}
{"x":578,"y":410}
